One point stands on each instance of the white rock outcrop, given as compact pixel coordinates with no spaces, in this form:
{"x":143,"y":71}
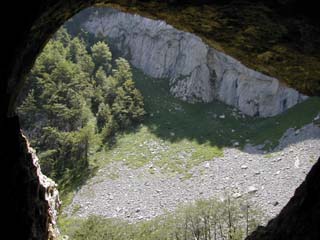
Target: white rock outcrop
{"x":196,"y":71}
{"x":48,"y":199}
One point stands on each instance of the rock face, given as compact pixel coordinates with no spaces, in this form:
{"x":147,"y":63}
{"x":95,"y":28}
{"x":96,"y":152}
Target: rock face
{"x":196,"y":71}
{"x":298,"y":219}
{"x":30,"y":199}
{"x":51,"y":196}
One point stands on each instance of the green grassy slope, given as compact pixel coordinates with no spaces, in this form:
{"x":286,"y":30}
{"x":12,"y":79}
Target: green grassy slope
{"x":177,"y":136}
{"x":202,"y":122}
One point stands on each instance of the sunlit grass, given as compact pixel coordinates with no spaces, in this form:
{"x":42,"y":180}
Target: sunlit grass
{"x":141,"y":147}
{"x":177,"y":136}
{"x":216,"y":123}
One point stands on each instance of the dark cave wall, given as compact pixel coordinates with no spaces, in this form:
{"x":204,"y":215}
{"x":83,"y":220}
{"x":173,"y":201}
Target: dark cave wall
{"x":26,"y":29}
{"x":29,"y":199}
{"x":299,"y":219}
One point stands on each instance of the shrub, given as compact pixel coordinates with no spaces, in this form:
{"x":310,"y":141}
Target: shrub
{"x":203,"y":220}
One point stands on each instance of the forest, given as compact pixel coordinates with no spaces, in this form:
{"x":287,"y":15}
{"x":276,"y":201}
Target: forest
{"x":78,"y":97}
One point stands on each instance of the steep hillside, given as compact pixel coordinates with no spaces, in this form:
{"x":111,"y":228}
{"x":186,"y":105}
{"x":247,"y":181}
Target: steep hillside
{"x":273,"y":37}
{"x":215,"y":123}
{"x":184,"y":152}
{"x":196,"y":71}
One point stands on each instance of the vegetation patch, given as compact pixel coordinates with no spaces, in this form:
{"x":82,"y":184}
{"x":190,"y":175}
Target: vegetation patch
{"x":78,"y":98}
{"x":204,"y":219}
{"x":141,"y":147}
{"x":177,"y":136}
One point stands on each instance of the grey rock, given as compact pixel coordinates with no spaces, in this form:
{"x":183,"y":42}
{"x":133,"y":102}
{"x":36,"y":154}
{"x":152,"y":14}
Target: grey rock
{"x":223,"y":176}
{"x":297,"y":163}
{"x":244,"y":167}
{"x":252,"y":189}
{"x":278,"y":159}
{"x":237,"y":195}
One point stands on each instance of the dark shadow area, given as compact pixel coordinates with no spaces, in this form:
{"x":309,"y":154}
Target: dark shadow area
{"x":216,"y":123}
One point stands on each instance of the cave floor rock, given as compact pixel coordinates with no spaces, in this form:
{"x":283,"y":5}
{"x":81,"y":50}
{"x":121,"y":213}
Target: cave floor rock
{"x":268,"y":180}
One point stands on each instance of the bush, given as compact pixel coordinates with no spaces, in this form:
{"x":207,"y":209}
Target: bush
{"x":202,"y":220}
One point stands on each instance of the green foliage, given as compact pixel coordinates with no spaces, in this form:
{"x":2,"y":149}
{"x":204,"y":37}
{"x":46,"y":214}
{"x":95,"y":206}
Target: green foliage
{"x":28,"y":107}
{"x":103,"y":116}
{"x":128,"y":105}
{"x":141,"y":147}
{"x":96,"y":228}
{"x":101,"y":78}
{"x":62,"y":36}
{"x":177,"y":121}
{"x":70,"y":105}
{"x":79,"y":55}
{"x":202,"y":220}
{"x":122,"y":72}
{"x":102,"y":56}
{"x":176,"y":136}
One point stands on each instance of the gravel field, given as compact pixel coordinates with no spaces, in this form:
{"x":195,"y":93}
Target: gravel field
{"x":267,"y":179}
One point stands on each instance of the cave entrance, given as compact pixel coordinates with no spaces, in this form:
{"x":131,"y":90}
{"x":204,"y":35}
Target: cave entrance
{"x":169,"y":122}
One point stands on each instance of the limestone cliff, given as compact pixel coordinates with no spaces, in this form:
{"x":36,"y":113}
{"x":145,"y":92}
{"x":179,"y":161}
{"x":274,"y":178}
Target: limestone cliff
{"x":196,"y":71}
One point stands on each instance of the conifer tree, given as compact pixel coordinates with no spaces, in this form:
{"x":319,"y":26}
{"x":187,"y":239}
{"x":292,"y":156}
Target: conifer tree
{"x":102,"y":56}
{"x":76,"y":98}
{"x":122,"y":72}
